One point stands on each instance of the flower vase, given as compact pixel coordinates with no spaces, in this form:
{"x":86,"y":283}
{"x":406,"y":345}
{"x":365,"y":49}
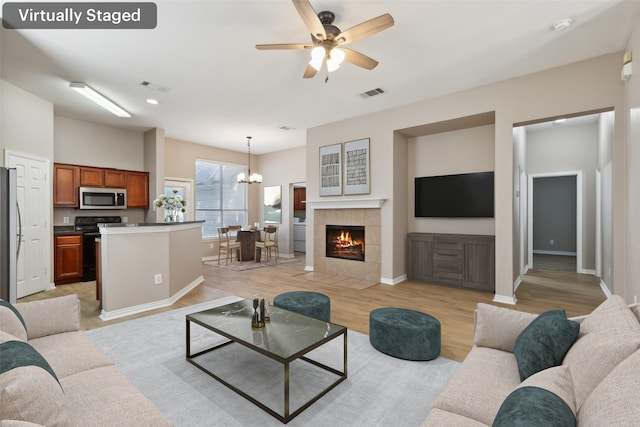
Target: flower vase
{"x":170,"y":215}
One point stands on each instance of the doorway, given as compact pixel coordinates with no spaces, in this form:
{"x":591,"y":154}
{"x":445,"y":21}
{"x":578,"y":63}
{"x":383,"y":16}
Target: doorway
{"x":34,"y":201}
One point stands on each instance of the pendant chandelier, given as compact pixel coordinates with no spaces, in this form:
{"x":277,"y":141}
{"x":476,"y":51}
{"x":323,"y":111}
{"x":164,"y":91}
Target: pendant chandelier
{"x":253,"y":177}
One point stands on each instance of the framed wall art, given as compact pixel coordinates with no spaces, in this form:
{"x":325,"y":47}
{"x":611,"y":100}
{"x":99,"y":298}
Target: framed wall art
{"x":331,"y":170}
{"x":273,"y":204}
{"x":356,"y":167}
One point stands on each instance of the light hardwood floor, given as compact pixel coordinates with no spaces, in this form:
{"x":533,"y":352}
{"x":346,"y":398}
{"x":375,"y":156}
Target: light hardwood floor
{"x":352,"y":300}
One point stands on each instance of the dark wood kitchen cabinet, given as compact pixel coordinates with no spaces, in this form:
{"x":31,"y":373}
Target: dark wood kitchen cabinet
{"x":67,"y":258}
{"x":137,"y":189}
{"x":461,"y":260}
{"x":299,"y":199}
{"x":91,"y":177}
{"x":65,"y":185}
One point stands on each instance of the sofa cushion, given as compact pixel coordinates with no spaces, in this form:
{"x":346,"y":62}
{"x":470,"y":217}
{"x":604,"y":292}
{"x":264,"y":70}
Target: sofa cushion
{"x":70,"y":353}
{"x":613,"y":313}
{"x":29,"y":389}
{"x":480,"y":385}
{"x":594,"y":355}
{"x":439,"y":418}
{"x":51,"y":316}
{"x":614,"y":402}
{"x":498,"y":327}
{"x":108,"y":392}
{"x":534,"y":407}
{"x":544,"y":342}
{"x":558,"y":381}
{"x":11,"y":321}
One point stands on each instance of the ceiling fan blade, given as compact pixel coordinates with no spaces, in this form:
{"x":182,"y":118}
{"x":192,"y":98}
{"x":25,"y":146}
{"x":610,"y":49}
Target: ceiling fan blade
{"x":356,"y":58}
{"x":283,"y":46}
{"x":309,"y":72}
{"x":366,"y":29}
{"x":310,"y":18}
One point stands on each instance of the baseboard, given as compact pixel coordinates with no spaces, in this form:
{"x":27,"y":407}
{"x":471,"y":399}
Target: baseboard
{"x":605,"y":289}
{"x":503,"y":299}
{"x":517,"y":283}
{"x":308,"y":268}
{"x":588,"y":271}
{"x":526,"y":269}
{"x":393,"y":281}
{"x":209,"y":258}
{"x":115,"y":314}
{"x":563,"y":253}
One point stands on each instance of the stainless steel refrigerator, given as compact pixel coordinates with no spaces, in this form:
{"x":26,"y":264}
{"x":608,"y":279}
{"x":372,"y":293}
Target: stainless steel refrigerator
{"x":10,"y":230}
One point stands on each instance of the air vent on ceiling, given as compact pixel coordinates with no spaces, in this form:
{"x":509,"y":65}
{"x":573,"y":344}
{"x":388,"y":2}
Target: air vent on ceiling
{"x":154,"y":86}
{"x":372,"y":92}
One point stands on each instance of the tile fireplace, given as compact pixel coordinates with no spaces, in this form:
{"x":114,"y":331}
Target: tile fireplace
{"x":345,"y":242}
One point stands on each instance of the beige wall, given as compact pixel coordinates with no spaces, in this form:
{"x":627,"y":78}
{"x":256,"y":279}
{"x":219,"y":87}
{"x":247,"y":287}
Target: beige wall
{"x":462,"y":151}
{"x":632,"y":177}
{"x":283,"y":168}
{"x":584,"y":86}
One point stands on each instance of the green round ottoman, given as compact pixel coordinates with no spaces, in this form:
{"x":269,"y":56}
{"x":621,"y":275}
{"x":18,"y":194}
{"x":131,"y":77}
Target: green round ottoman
{"x":312,"y":304}
{"x":405,"y":334}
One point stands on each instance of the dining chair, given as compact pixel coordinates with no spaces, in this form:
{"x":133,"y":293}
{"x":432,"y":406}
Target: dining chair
{"x":268,"y":244}
{"x":227,"y":245}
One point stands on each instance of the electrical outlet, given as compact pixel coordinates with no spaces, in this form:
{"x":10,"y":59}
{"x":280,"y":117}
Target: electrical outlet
{"x":125,"y":219}
{"x":210,"y":245}
{"x":158,"y":279}
{"x":552,"y":242}
{"x":635,"y":299}
{"x":65,"y":220}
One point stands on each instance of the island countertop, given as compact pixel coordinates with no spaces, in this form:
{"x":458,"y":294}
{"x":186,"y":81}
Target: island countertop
{"x":146,"y":224}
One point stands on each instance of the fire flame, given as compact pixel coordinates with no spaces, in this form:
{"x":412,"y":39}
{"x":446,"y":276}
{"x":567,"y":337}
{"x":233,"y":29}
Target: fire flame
{"x":344,"y":240}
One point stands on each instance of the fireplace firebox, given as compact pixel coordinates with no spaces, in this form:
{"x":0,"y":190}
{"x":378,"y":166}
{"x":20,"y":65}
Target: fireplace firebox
{"x":345,"y":242}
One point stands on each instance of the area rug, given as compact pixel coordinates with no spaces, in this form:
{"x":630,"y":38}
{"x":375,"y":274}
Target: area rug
{"x":249,"y":265}
{"x":380,"y":390}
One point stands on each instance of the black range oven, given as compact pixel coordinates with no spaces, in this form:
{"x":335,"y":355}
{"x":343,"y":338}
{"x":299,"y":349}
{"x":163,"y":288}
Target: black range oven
{"x":89,"y":227}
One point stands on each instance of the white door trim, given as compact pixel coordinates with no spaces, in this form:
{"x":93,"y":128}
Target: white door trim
{"x":578,"y":175}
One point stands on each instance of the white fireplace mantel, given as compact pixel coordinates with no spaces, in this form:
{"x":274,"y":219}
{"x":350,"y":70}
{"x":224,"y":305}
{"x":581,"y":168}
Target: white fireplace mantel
{"x":346,"y":204}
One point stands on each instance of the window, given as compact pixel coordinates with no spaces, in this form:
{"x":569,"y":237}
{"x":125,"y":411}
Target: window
{"x":220,"y":200}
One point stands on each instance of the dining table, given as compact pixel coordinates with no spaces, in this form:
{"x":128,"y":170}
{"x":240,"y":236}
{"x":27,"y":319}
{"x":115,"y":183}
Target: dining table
{"x":248,"y":239}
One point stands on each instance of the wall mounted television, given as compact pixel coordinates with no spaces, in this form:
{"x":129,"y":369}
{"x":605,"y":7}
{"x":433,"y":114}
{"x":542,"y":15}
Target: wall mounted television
{"x":469,"y":195}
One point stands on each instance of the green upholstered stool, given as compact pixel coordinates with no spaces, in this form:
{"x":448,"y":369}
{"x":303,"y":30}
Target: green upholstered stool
{"x":405,"y":334}
{"x":312,"y":304}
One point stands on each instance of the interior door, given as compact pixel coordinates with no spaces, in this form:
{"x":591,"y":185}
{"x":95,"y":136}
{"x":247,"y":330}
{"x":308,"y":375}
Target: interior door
{"x":34,"y":201}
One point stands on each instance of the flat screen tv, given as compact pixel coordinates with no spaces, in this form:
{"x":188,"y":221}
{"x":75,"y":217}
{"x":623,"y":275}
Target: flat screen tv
{"x":468,"y":195}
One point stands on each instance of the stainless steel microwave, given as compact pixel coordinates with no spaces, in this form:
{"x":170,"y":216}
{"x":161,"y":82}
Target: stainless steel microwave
{"x":103,"y":198}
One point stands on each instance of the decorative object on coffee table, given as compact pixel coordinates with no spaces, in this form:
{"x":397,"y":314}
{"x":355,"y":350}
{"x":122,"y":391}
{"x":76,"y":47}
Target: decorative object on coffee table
{"x":405,"y":334}
{"x":312,"y":304}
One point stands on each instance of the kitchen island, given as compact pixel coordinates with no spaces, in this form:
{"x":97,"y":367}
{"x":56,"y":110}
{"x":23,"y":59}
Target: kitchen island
{"x":147,"y":266}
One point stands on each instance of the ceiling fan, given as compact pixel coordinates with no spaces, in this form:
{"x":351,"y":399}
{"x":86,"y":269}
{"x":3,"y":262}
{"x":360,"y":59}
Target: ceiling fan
{"x":327,"y":39}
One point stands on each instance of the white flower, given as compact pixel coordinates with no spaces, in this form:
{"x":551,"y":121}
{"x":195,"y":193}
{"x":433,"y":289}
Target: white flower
{"x":170,"y":201}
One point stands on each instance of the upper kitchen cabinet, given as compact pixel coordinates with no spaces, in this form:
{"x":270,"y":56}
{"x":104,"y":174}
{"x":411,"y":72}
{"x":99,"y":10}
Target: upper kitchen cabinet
{"x":137,"y":189}
{"x":115,"y":178}
{"x":65,"y":185}
{"x":299,"y":198}
{"x":91,"y":177}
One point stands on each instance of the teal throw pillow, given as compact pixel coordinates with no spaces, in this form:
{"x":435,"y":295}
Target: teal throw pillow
{"x":534,"y":407}
{"x":544,"y":342}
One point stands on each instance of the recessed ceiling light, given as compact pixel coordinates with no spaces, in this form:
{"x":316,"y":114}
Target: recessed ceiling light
{"x":562,"y":24}
{"x":153,"y":101}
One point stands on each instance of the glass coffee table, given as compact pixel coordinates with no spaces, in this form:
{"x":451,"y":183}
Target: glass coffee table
{"x":287,"y":337}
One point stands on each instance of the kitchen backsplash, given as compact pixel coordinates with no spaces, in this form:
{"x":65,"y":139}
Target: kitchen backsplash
{"x":132,"y":215}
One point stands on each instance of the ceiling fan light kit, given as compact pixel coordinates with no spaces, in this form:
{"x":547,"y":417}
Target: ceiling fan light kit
{"x":326,"y":38}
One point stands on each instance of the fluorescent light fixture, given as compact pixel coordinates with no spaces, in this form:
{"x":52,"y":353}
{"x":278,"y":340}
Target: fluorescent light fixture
{"x":98,"y":99}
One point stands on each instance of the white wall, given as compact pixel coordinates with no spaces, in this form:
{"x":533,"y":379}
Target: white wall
{"x":605,"y":164}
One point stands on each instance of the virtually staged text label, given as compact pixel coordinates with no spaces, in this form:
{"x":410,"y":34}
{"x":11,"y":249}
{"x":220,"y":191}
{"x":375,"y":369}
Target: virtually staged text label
{"x":79,"y":15}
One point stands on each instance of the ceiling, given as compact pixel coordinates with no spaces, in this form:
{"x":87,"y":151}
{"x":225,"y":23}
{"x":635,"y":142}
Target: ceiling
{"x":221,"y":88}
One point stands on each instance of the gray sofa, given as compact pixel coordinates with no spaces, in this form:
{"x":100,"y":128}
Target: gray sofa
{"x":84,"y":388}
{"x":598,"y":377}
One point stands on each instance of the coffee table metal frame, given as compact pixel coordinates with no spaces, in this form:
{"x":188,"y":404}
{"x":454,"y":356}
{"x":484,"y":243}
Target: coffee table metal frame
{"x":286,"y":361}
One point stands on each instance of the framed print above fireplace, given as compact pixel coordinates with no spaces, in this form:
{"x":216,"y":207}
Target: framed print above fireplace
{"x":356,"y":167}
{"x":331,"y":170}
